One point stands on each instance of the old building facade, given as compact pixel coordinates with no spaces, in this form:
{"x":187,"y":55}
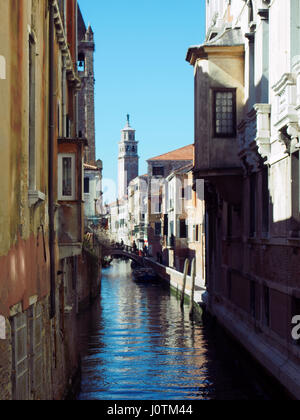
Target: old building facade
{"x":41,"y":211}
{"x":183,"y":222}
{"x":159,"y":168}
{"x":138,"y":211}
{"x":86,"y":124}
{"x":246,"y":150}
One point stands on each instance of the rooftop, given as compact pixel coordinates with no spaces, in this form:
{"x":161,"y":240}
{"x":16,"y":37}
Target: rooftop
{"x":184,"y":153}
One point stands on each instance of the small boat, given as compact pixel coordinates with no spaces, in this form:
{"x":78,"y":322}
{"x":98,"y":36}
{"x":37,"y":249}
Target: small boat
{"x":144,"y":274}
{"x":106,"y":262}
{"x":134,"y":265}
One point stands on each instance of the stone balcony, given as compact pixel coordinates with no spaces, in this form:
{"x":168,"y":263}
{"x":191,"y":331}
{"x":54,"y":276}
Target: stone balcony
{"x":287,"y":109}
{"x":254,"y":135}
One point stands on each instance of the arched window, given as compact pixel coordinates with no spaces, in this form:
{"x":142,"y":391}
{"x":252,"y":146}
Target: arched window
{"x":81,"y":62}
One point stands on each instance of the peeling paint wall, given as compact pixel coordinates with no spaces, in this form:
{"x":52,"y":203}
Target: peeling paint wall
{"x":48,"y":345}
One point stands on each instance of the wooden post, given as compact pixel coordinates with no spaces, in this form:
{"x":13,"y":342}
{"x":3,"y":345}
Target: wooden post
{"x":186,"y":269}
{"x":193,"y":275}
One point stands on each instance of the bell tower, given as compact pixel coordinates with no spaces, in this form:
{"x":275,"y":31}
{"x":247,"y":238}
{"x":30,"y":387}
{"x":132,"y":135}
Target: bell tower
{"x":128,"y":167}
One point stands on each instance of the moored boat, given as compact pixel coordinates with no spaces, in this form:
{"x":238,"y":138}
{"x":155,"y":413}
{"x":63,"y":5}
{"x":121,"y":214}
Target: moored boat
{"x":144,"y":274}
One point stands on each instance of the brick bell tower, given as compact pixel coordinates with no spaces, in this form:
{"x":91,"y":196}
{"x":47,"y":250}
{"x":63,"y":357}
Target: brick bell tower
{"x":86,"y":96}
{"x":128,"y":167}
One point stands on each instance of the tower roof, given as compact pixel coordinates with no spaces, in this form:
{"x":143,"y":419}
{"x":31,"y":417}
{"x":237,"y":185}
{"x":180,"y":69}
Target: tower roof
{"x":127,"y":127}
{"x":81,"y":26}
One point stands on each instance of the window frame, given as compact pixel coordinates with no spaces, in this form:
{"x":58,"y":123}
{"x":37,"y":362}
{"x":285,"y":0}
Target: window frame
{"x":157,"y":229}
{"x":158,"y":169}
{"x":62,"y":197}
{"x":183,"y":229}
{"x":214,"y":119}
{"x":86,"y":187}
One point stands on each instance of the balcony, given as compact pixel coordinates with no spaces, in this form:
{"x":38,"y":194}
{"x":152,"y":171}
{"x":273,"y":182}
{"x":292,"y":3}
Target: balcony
{"x":287,"y":109}
{"x":254,"y":137}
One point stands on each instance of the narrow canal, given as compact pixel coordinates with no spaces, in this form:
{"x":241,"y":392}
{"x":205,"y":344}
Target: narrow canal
{"x":137,"y":344}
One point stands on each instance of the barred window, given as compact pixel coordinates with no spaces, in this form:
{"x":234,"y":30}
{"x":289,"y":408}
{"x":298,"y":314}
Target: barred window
{"x":224,"y":112}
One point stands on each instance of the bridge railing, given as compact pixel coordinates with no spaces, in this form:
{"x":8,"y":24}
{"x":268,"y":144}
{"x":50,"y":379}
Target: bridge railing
{"x":128,"y":248}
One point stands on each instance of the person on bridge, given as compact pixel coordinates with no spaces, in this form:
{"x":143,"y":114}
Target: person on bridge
{"x":145,"y":250}
{"x":134,"y":246}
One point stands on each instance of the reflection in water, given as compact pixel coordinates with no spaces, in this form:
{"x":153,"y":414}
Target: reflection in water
{"x":137,"y":344}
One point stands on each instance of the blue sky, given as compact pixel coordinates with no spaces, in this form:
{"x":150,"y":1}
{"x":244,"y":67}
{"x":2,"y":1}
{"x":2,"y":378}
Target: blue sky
{"x":140,"y":69}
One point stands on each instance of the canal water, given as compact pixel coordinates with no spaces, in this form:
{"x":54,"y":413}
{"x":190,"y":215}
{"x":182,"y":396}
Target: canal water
{"x":137,"y":344}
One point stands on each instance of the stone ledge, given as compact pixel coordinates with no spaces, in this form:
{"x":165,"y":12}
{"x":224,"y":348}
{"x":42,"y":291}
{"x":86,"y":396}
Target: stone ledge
{"x":278,"y":365}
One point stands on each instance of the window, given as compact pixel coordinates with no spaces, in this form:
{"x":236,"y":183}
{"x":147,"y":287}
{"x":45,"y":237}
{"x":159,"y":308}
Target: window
{"x":157,"y":228}
{"x":182,"y":229}
{"x":171,"y":233}
{"x":166,"y":225}
{"x":86,"y":185}
{"x":224,"y":112}
{"x":66,"y":176}
{"x":197,"y":233}
{"x":81,"y":62}
{"x":155,"y":205}
{"x":158,"y":171}
{"x":20,"y":357}
{"x":68,"y":126}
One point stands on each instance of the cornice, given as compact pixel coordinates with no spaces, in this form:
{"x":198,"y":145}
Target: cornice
{"x":63,"y":45}
{"x":204,"y":51}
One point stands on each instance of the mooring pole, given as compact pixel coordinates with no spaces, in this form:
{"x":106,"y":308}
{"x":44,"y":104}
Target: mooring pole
{"x":193,"y":275}
{"x":186,"y":269}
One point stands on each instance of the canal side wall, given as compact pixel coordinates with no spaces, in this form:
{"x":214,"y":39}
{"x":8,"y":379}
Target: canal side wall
{"x":39,"y":355}
{"x":278,"y":365}
{"x":89,"y":275}
{"x":175,"y":280}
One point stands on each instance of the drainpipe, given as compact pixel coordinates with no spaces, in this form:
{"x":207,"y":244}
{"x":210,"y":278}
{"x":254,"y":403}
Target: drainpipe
{"x":51,"y":161}
{"x":64,"y":94}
